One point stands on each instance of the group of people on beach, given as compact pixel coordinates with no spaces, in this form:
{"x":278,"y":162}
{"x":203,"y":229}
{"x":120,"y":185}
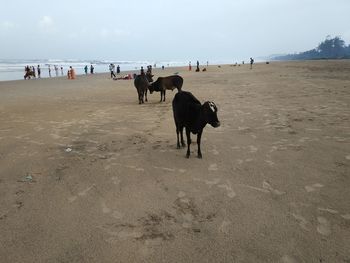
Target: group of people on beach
{"x":197,"y":69}
{"x":113,"y":71}
{"x":30,"y":71}
{"x":91,"y":69}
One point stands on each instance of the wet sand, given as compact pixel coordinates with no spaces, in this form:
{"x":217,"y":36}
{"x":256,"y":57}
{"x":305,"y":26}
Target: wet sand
{"x":89,"y":175}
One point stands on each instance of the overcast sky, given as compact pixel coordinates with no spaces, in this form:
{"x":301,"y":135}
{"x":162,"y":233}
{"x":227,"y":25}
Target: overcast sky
{"x":167,"y":29}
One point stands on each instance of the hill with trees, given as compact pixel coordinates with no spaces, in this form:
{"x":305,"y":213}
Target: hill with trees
{"x":330,"y":48}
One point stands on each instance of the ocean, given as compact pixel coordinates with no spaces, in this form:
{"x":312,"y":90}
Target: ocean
{"x":13,"y":69}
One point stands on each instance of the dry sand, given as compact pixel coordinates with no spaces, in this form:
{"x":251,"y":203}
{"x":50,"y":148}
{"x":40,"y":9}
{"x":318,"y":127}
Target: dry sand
{"x":88,"y":175}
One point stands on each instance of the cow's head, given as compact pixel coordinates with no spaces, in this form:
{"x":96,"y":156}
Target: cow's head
{"x":210,"y":113}
{"x":150,"y":88}
{"x":154,"y":86}
{"x":149,"y":77}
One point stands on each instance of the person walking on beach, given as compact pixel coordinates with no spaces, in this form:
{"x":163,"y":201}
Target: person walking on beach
{"x":72,"y":72}
{"x":61,"y":70}
{"x":92,"y":69}
{"x":197,"y":70}
{"x":142,"y":71}
{"x":49,"y":71}
{"x":251,"y":63}
{"x":189,"y":66}
{"x":39,"y":71}
{"x":111,"y":69}
{"x":33,"y":70}
{"x":56,"y":70}
{"x":118,"y":69}
{"x":86,"y":69}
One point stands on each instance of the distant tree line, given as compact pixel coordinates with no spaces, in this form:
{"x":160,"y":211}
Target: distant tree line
{"x":331,"y":48}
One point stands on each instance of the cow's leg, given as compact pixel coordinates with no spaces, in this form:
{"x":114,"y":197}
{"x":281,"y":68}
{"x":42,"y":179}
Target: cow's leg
{"x":199,"y":136}
{"x":164,"y":95}
{"x":146,"y":95}
{"x":177,"y":135}
{"x":188,"y":135}
{"x":161,"y":95}
{"x":139,"y":96}
{"x":182,"y":137}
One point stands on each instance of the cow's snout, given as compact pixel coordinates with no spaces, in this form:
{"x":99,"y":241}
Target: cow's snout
{"x":215,"y":124}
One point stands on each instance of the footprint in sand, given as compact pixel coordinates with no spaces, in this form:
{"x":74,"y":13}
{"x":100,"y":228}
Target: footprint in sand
{"x":117,"y":215}
{"x":252,"y":149}
{"x":82,"y":193}
{"x":268,"y":187}
{"x":181,"y":194}
{"x":214,"y":151}
{"x":55,"y":136}
{"x":213,"y":167}
{"x":230,"y":193}
{"x":269,"y":162}
{"x":211,"y":183}
{"x":224,"y":227}
{"x":346,"y":216}
{"x":115,"y":180}
{"x":105,"y":209}
{"x":312,"y":188}
{"x":324,"y":227}
{"x":302,"y":221}
{"x":328,"y":210}
{"x":288,"y":259}
{"x":235,"y":147}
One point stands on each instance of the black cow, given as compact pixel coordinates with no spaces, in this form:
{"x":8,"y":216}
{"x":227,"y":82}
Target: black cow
{"x":164,"y":83}
{"x":141,"y":83}
{"x":189,"y":113}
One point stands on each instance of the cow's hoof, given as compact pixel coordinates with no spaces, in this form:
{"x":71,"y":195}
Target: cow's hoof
{"x":178,"y":146}
{"x":187,"y":155}
{"x":199,"y":156}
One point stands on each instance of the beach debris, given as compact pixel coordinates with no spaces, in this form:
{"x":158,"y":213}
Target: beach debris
{"x":347,"y":216}
{"x":29,"y":178}
{"x":68,"y":150}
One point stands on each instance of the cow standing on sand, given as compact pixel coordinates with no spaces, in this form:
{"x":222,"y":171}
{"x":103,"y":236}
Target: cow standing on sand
{"x":164,"y":83}
{"x":191,"y":114}
{"x":141,"y":84}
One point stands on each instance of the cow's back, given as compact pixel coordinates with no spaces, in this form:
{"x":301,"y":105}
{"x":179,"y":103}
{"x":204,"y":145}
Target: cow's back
{"x":177,"y":82}
{"x":171,"y":82}
{"x":185,"y":107}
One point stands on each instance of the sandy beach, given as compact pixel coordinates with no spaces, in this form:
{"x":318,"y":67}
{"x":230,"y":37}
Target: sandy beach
{"x":89,"y":175}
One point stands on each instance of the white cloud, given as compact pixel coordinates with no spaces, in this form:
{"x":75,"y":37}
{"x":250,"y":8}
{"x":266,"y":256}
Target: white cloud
{"x":46,"y":22}
{"x":114,"y":33}
{"x":105,"y":32}
{"x":6,"y":25}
